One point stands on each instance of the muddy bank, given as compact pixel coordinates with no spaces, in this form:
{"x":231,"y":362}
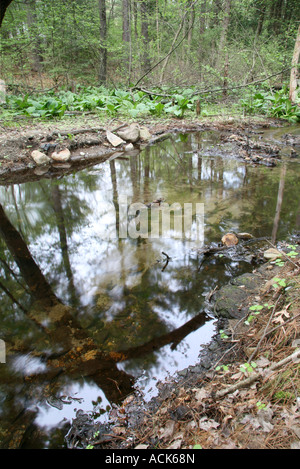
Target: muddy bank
{"x":217,"y":404}
{"x":90,"y":143}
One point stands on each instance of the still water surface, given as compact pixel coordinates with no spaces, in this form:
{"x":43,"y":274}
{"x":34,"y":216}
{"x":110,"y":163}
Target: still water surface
{"x":134,"y":318}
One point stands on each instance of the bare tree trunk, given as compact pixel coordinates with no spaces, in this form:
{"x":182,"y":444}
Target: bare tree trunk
{"x":2,"y":91}
{"x":190,"y":20}
{"x":135,"y":17}
{"x":126,"y":36}
{"x":126,"y":21}
{"x":201,"y":31}
{"x":146,"y":64}
{"x":294,"y":70}
{"x":37,"y":58}
{"x":225,"y":76}
{"x":181,"y":25}
{"x":103,"y":46}
{"x":261,"y":18}
{"x":258,"y":31}
{"x":225,"y":25}
{"x":277,"y":16}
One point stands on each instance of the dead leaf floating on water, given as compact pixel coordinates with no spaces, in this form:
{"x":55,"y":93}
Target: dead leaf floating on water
{"x":230,"y":239}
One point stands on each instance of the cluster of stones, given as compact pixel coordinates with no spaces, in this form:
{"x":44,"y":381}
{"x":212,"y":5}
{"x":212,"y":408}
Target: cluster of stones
{"x":41,"y":158}
{"x":128,"y":136}
{"x":124,"y":138}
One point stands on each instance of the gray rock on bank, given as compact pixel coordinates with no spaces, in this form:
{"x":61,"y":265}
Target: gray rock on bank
{"x":130,"y":134}
{"x":230,"y":298}
{"x":40,"y":158}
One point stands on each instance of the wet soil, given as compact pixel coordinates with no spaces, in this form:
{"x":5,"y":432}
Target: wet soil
{"x":87,"y":142}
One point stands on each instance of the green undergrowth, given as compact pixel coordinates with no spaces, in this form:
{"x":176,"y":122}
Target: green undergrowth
{"x":272,"y":104}
{"x":161,"y":103}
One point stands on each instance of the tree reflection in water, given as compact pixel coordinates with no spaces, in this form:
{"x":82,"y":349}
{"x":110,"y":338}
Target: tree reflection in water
{"x":77,"y":304}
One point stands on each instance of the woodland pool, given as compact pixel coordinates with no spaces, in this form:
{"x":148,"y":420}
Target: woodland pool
{"x":135,"y":315}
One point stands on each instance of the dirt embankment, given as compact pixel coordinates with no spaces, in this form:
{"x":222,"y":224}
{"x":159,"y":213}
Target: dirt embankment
{"x":243,"y":394}
{"x":87,"y":142}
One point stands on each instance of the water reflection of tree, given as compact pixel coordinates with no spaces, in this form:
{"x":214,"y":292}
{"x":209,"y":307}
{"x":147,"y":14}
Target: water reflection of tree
{"x":78,"y":354}
{"x":269,"y":209}
{"x":63,"y":208}
{"x":56,"y":200}
{"x":279,"y":202}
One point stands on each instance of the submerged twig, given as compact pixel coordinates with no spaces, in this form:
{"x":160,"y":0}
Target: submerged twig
{"x":168,"y":258}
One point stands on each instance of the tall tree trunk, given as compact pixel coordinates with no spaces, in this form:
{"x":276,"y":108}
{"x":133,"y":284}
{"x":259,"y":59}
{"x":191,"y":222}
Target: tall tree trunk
{"x":181,"y":25}
{"x":277,"y":20}
{"x":261,"y":17}
{"x":225,"y":76}
{"x":189,"y":22}
{"x":201,"y":31}
{"x":146,"y":64}
{"x":225,"y":25}
{"x":37,"y":58}
{"x":294,"y":70}
{"x":103,"y":45}
{"x":126,"y":20}
{"x":135,"y":17}
{"x":126,"y":36}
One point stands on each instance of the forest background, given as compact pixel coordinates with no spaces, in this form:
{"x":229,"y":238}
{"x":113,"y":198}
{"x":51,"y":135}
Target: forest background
{"x":141,"y":56}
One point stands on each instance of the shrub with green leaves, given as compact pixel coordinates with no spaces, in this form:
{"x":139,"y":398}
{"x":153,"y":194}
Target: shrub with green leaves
{"x":100,"y":99}
{"x":275,"y":104}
